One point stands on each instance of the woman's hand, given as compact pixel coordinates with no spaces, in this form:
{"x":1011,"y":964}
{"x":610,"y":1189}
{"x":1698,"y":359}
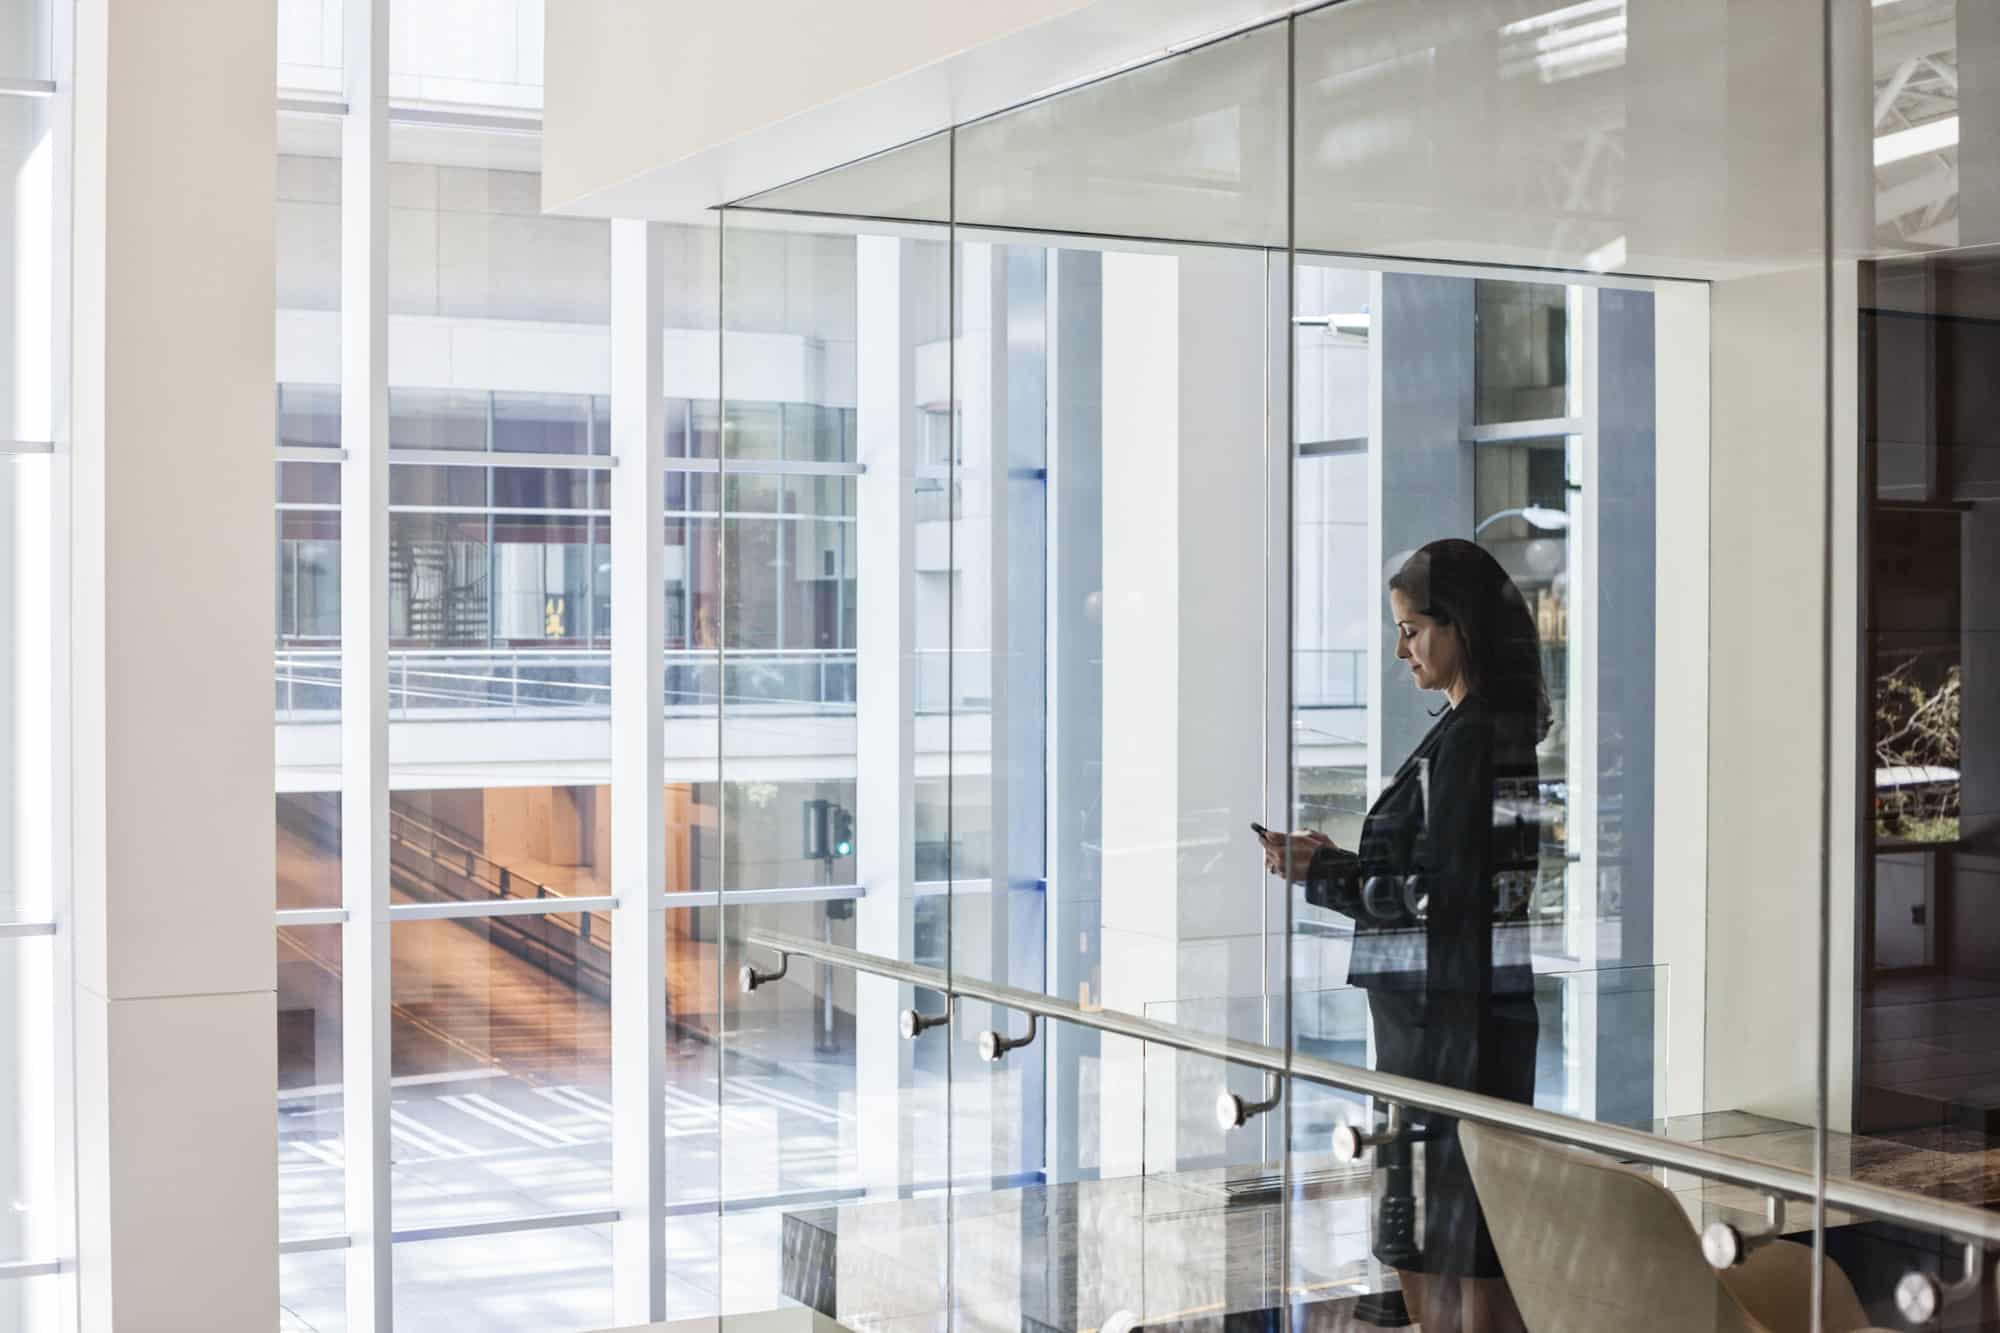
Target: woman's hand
{"x":1291,"y":854}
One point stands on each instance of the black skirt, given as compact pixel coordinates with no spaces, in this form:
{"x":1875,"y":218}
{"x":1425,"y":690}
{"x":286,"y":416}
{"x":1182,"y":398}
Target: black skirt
{"x":1494,"y":1054}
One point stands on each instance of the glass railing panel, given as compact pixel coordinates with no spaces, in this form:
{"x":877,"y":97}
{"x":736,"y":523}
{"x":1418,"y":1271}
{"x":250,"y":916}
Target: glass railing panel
{"x":1541,"y":480}
{"x":1256,"y":1149}
{"x":1107,"y":678}
{"x":1914,"y":1090}
{"x":832,"y":1127}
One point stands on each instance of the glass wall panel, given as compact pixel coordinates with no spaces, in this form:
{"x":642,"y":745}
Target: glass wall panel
{"x":1117,"y":461}
{"x":31,"y":525}
{"x":1923,"y":312}
{"x":832,"y":1130}
{"x":696,"y":971}
{"x":31,"y":1174}
{"x":1570,"y":859}
{"x":502,"y":1067}
{"x":499,"y":575}
{"x":1188,"y":148}
{"x":484,"y":54}
{"x":311,"y":1150}
{"x":311,"y":47}
{"x":25,"y":39}
{"x":307,"y":677}
{"x":36,"y":1172}
{"x":534,"y":1280}
{"x":1606,"y":137}
{"x":1147,"y":433}
{"x":312,"y":1291}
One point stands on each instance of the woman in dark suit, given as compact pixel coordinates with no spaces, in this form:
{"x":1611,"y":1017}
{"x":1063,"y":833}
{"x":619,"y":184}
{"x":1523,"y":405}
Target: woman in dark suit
{"x":1438,"y":891}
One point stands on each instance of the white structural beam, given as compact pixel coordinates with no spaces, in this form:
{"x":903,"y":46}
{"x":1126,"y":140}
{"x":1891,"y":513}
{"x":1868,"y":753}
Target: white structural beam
{"x":638,"y":773}
{"x":364,"y":650}
{"x":885,"y":697}
{"x":170,"y":544}
{"x":1075,"y":689}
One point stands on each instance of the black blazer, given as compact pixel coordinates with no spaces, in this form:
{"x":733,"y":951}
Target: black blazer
{"x":1438,"y":887}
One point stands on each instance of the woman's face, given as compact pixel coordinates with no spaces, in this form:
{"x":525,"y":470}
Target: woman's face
{"x":1435,"y":652}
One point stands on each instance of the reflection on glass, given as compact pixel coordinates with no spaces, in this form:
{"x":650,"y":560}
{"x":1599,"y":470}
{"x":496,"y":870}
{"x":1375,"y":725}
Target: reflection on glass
{"x":312,"y":1290}
{"x":501,"y":1054}
{"x":528,"y":1281}
{"x":26,"y":34}
{"x":820,"y":1103}
{"x":311,"y":1155}
{"x":30,"y":1176}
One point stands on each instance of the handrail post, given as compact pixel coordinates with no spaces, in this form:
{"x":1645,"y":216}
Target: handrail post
{"x":1725,"y":1245}
{"x":1232,"y":1112}
{"x":1921,"y":1297}
{"x":993,"y":1045}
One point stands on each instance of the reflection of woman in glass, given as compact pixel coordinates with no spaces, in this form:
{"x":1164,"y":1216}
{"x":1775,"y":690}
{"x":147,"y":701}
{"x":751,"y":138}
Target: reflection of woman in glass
{"x":1438,"y":892}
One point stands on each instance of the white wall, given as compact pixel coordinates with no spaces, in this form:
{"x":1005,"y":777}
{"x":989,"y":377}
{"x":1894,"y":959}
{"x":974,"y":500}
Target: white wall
{"x":1767,"y":702}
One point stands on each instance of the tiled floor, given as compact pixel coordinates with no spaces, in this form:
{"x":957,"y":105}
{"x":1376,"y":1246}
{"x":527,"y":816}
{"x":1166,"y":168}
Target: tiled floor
{"x":1935,"y":1038}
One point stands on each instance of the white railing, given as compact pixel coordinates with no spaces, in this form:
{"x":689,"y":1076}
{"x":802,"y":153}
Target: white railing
{"x":446,"y":683}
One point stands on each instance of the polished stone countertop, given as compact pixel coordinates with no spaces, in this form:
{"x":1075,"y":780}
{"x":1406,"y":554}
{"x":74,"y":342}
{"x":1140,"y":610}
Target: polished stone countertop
{"x":1179,"y":1249}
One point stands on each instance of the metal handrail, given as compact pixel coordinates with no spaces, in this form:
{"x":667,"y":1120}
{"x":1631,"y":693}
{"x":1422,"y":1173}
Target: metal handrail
{"x":1961,"y":1221}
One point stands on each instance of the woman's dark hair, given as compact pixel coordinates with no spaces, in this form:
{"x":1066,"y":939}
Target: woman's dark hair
{"x":1458,"y":583}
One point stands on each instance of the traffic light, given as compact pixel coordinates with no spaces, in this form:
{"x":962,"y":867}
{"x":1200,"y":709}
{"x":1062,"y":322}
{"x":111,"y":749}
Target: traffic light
{"x":813,"y":836}
{"x":828,"y":831}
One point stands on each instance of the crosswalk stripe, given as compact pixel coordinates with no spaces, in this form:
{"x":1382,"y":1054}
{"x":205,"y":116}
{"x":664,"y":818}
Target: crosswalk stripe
{"x":736,"y":1116}
{"x":323,"y":1151}
{"x":689,"y":1101}
{"x":584,"y":1096}
{"x":572,"y":1100}
{"x":430,"y":1140}
{"x":789,"y":1102}
{"x":481,"y":1107}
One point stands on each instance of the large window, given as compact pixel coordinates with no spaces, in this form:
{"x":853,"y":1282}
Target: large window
{"x":37,"y":1184}
{"x":998,"y":531}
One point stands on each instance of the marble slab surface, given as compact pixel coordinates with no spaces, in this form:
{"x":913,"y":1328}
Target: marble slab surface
{"x":1199,"y":1248}
{"x":1190,"y":1246}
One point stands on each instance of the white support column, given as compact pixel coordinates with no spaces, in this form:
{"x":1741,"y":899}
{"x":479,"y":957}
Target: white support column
{"x":1581,"y":900}
{"x":172,"y":838}
{"x":1075,"y":691}
{"x":1681,"y":699}
{"x":638,"y":773}
{"x":979,"y":744}
{"x":885,"y":700}
{"x":1141,"y":666}
{"x":364,"y":664}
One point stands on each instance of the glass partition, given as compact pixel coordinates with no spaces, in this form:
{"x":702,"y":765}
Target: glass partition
{"x":831,"y":456}
{"x":1113,"y":628}
{"x":1560,"y":493}
{"x":1399,"y":427}
{"x":1911,"y":1097}
{"x":1468,"y":438}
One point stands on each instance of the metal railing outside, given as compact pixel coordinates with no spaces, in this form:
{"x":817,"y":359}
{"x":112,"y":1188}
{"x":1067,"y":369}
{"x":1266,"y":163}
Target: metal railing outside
{"x":954,"y":680}
{"x":446,"y":683}
{"x":1960,"y":1221}
{"x":1329,"y":678}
